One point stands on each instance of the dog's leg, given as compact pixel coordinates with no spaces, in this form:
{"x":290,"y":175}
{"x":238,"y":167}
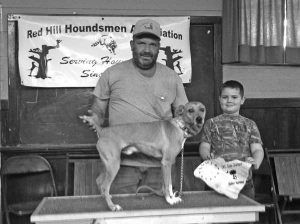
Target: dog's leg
{"x":112,"y":168}
{"x":169,"y":195}
{"x":102,"y":174}
{"x":111,"y":162}
{"x":100,"y":178}
{"x":172,"y":194}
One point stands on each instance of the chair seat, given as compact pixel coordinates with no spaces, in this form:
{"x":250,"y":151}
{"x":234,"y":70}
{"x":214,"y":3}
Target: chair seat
{"x":23,"y":208}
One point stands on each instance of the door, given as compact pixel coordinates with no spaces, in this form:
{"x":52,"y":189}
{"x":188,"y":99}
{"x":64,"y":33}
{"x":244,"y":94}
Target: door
{"x":205,"y":42}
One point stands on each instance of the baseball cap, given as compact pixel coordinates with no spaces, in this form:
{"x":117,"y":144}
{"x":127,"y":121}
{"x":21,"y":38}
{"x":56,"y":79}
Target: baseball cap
{"x":147,"y":26}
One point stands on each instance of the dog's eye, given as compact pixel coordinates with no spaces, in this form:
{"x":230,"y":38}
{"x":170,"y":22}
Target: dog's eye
{"x":202,"y":110}
{"x":191,"y":110}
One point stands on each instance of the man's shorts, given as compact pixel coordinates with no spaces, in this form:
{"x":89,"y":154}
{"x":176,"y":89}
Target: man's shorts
{"x":130,"y":178}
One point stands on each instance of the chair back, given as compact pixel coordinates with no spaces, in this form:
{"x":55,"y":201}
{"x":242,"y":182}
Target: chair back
{"x":265,"y":192}
{"x":25,"y":164}
{"x":15,"y":173}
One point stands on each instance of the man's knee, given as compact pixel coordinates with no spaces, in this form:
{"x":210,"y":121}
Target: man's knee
{"x":126,"y":181}
{"x":152,"y":177}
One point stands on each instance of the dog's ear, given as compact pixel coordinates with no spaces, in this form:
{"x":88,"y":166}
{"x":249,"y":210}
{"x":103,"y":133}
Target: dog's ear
{"x":179,"y":110}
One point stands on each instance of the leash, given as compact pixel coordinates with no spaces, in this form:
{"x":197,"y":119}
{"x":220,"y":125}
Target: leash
{"x":181,"y":125}
{"x":181,"y":174}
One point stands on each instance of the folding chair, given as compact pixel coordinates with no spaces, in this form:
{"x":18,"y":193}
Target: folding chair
{"x":285,"y":168}
{"x":26,"y":180}
{"x":264,"y":193}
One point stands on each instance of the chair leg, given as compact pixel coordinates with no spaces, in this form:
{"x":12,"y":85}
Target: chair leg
{"x":285,"y":200}
{"x":271,"y":215}
{"x":278,"y":213}
{"x":7,"y":217}
{"x":274,"y":215}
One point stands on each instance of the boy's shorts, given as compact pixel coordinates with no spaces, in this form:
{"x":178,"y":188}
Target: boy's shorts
{"x":248,"y":189}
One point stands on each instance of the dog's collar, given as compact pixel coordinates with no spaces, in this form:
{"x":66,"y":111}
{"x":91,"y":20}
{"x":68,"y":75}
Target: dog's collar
{"x":181,"y":125}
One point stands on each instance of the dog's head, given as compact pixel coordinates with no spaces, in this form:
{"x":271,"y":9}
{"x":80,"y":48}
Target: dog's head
{"x":192,"y":115}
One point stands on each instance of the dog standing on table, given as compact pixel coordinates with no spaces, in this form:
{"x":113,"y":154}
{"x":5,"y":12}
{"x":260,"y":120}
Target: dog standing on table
{"x":160,"y":139}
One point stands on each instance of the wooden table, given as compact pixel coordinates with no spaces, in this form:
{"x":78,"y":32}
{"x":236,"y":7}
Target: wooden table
{"x":197,"y":207}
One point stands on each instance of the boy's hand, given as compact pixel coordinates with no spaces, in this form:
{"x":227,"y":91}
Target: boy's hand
{"x":208,"y":156}
{"x":220,"y":161}
{"x":251,"y":161}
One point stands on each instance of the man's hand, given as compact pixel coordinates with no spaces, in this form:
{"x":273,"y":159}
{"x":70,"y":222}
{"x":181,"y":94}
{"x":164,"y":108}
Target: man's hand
{"x":91,"y":119}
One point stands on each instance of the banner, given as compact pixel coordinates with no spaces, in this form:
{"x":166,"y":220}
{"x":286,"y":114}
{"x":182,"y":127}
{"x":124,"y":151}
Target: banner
{"x":73,"y":51}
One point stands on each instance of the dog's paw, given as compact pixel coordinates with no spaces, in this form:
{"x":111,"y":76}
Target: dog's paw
{"x":173,"y":200}
{"x":116,"y":208}
{"x":96,"y":221}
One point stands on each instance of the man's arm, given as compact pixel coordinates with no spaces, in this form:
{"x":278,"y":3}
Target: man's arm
{"x":181,"y":98}
{"x":97,"y":114}
{"x":99,"y":110}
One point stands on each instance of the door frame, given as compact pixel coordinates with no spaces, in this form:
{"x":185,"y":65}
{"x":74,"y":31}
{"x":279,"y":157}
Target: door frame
{"x":216,"y":22}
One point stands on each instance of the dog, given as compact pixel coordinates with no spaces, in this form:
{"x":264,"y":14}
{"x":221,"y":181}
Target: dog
{"x":162,"y":139}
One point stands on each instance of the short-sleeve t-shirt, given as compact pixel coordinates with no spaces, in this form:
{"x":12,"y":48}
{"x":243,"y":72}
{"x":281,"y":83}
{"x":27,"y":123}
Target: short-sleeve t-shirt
{"x":135,"y":98}
{"x":230,"y":136}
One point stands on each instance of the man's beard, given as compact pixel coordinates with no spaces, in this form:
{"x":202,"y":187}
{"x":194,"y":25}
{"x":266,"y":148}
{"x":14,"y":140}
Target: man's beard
{"x":140,"y":63}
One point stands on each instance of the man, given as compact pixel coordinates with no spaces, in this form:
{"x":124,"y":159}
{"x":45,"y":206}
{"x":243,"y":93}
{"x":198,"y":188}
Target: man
{"x":138,"y":90}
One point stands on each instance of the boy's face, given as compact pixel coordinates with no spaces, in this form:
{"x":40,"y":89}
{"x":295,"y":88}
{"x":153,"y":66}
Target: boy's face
{"x":231,"y":101}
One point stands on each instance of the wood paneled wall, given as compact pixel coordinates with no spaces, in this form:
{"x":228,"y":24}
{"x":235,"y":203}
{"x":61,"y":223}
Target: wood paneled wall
{"x":278,"y":121}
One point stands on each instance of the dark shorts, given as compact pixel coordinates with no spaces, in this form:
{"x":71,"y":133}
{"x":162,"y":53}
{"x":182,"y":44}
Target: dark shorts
{"x":248,"y":189}
{"x":130,"y":178}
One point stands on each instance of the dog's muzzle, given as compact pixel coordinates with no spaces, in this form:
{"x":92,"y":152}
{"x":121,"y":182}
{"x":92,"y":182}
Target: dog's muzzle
{"x":199,"y":120}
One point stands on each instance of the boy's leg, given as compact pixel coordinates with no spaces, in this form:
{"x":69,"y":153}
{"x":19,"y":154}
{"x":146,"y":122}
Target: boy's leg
{"x":248,"y":189}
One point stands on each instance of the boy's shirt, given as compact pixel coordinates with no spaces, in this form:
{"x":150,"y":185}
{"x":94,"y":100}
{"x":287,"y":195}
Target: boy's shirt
{"x":230,"y":136}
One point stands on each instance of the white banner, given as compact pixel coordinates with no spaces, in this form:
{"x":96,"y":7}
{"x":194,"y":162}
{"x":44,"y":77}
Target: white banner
{"x":73,"y":51}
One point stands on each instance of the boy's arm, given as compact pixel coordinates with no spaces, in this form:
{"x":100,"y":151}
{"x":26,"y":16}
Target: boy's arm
{"x":204,"y":150}
{"x":257,"y":153}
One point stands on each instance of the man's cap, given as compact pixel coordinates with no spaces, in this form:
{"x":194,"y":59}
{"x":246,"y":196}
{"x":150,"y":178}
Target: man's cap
{"x":146,"y":26}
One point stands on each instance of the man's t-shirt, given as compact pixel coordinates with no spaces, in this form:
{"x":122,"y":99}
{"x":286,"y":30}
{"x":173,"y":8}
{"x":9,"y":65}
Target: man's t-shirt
{"x":135,"y":98}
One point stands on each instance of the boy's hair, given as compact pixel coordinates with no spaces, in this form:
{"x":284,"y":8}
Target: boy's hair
{"x":234,"y":85}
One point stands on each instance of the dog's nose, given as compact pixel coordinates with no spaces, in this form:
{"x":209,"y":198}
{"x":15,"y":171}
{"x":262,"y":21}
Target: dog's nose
{"x":199,"y":120}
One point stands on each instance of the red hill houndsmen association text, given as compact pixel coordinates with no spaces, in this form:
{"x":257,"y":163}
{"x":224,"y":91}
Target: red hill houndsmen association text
{"x":58,"y":29}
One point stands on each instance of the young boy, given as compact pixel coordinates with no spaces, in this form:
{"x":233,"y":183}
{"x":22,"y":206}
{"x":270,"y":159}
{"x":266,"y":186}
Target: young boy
{"x":232,"y":136}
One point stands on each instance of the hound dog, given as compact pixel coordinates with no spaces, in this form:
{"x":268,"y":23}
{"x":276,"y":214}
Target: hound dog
{"x":162,"y":139}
